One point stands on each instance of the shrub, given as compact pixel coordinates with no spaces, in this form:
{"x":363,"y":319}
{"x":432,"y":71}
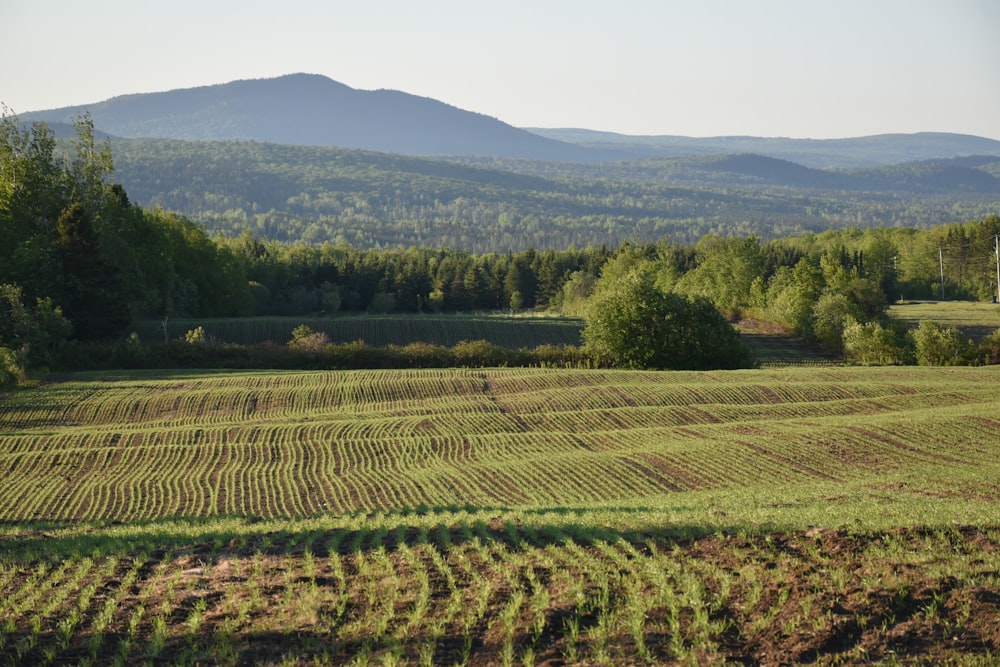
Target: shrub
{"x":304,"y":339}
{"x":421,"y":355}
{"x":831,"y":314}
{"x":873,"y":344}
{"x":196,"y":337}
{"x":478,"y":353}
{"x":632,"y":323}
{"x":988,"y":350}
{"x":130,"y":353}
{"x":11,"y":368}
{"x":560,"y":356}
{"x":938,"y":345}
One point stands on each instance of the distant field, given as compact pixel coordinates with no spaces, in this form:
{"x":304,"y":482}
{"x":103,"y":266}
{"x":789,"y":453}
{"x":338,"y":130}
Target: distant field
{"x":502,"y":516}
{"x":379,"y":330}
{"x":975,"y":319}
{"x":511,"y":332}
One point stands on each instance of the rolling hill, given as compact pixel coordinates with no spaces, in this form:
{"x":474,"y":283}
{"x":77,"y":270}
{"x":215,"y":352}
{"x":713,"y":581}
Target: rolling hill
{"x":310,"y":109}
{"x":871,"y":151}
{"x":316,"y":194}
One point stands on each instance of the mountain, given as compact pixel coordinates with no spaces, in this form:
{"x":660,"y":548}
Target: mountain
{"x":872,"y":151}
{"x":309,"y":109}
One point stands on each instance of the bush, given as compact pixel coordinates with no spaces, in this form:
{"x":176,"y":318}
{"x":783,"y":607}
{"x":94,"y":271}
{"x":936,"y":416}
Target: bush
{"x":831,"y":314}
{"x":478,"y":354}
{"x":422,"y":355}
{"x":196,"y":336}
{"x":11,"y":368}
{"x":938,"y":345}
{"x":632,"y":323}
{"x":873,"y":344}
{"x":304,"y":339}
{"x":560,"y":356}
{"x":130,"y":353}
{"x":988,"y":350}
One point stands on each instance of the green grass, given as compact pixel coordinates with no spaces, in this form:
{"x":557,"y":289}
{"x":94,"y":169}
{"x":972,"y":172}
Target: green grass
{"x":794,"y":515}
{"x":975,"y":319}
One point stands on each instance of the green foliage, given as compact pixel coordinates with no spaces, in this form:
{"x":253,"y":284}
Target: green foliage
{"x":938,"y":345}
{"x":37,"y":333}
{"x":479,"y":353}
{"x":792,"y":295}
{"x":725,"y":272}
{"x":831,"y":314}
{"x":631,"y":323}
{"x":12,"y":370}
{"x":131,"y":353}
{"x":875,"y":344}
{"x":516,"y":301}
{"x":315,"y":195}
{"x":304,"y":339}
{"x":196,"y":336}
{"x":69,"y":235}
{"x":91,"y":294}
{"x":382,"y":302}
{"x":73,"y":243}
{"x":988,"y":350}
{"x":576,"y":291}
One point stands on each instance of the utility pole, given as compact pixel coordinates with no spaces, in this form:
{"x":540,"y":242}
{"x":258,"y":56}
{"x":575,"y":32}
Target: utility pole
{"x":941,"y":263}
{"x":996,"y":248}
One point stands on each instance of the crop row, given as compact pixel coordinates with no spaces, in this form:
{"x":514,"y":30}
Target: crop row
{"x":303,"y":443}
{"x":303,"y":467}
{"x":510,"y":590}
{"x":237,"y":397}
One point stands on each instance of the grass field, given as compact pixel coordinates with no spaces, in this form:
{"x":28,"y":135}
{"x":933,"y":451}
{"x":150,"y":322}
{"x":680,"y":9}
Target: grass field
{"x":380,"y":330}
{"x":975,"y":319}
{"x":769,"y":348}
{"x":503,"y":516}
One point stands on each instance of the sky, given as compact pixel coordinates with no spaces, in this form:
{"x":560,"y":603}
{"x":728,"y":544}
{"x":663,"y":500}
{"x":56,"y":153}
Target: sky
{"x":789,"y":68}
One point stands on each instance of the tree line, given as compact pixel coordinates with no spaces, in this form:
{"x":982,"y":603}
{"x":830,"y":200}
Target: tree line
{"x":79,"y":262}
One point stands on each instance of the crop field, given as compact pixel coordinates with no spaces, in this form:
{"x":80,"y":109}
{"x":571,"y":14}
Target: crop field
{"x":380,"y":330}
{"x":503,"y":516}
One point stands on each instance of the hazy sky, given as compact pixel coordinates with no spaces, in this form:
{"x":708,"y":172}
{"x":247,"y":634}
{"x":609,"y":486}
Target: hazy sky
{"x":798,"y":68}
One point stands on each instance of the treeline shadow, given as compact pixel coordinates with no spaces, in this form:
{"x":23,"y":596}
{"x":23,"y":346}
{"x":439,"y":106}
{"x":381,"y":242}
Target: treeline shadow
{"x":444,"y":527}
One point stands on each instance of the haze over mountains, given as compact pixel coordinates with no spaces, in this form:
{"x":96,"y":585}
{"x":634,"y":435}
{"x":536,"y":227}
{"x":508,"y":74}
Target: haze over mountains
{"x":871,"y":151}
{"x":310,"y":109}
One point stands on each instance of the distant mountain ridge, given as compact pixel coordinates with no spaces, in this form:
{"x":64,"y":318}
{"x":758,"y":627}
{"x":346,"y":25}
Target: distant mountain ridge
{"x":872,"y":151}
{"x":310,"y":109}
{"x":314,"y":110}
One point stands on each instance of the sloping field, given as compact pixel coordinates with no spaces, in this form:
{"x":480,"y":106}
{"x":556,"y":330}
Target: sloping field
{"x":503,"y":516}
{"x":298,"y":444}
{"x":974,"y":319}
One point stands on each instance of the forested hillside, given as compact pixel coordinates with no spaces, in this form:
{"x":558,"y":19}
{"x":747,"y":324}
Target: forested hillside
{"x":314,"y":110}
{"x":871,"y":151}
{"x":303,"y":158}
{"x":316,"y":195}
